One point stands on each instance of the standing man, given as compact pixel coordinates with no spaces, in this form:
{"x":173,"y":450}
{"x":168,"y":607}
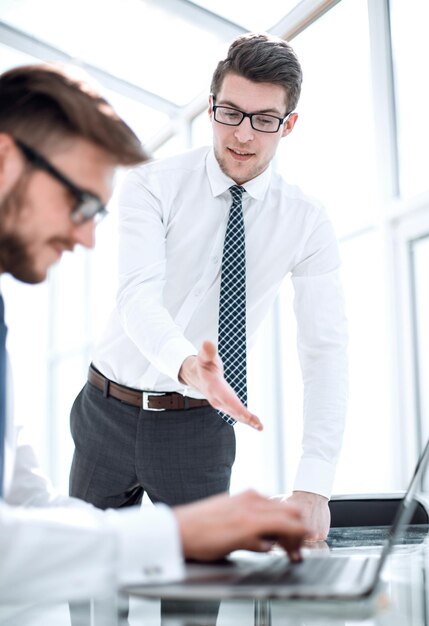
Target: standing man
{"x":206,"y":239}
{"x":60,"y":143}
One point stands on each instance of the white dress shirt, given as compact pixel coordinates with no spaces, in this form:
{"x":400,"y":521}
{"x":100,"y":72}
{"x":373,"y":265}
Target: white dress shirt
{"x":172,"y":221}
{"x":54,"y":547}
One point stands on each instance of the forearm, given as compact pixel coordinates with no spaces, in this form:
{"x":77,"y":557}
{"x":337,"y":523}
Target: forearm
{"x":63,"y":554}
{"x":188,"y":372}
{"x":151,"y":328}
{"x":322,"y":348}
{"x":144,"y":315}
{"x":325,"y":405}
{"x":54,"y":554}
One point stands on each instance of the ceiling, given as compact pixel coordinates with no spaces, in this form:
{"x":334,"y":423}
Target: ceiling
{"x":153,"y":58}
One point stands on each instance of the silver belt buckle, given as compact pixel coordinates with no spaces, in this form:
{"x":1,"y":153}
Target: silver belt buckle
{"x":145,"y":399}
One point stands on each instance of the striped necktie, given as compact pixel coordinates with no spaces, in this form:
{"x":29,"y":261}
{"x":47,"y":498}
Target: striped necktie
{"x":3,"y":331}
{"x":232,"y":303}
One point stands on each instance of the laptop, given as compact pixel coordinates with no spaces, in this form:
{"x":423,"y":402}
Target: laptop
{"x":321,"y":575}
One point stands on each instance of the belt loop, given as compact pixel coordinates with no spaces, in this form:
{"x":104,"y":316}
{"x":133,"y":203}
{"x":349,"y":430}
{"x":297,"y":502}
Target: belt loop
{"x":186,"y":402}
{"x":106,"y":384}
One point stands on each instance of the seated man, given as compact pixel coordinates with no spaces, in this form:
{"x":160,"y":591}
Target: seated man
{"x":59,"y":145}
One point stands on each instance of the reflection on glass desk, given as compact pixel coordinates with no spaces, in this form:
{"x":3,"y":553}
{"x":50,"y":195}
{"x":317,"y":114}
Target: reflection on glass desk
{"x":402,"y":599}
{"x":372,"y":536}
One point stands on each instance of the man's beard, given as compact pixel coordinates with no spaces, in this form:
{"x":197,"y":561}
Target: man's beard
{"x":14,"y":257}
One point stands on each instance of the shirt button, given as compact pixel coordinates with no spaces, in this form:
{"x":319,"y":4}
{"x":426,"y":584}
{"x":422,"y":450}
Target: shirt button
{"x":197,"y":292}
{"x":152,"y":571}
{"x":215,"y":259}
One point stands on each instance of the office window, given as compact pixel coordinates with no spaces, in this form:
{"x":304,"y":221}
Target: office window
{"x":10,"y":57}
{"x":252,"y":16}
{"x":419,"y":263}
{"x":368,"y":462}
{"x":369,"y":429}
{"x":27,"y":346}
{"x":331,"y":153}
{"x":410,"y":55}
{"x":177,"y":143}
{"x":148,"y":44}
{"x":144,"y":120}
{"x":201,"y":130}
{"x":30,"y":374}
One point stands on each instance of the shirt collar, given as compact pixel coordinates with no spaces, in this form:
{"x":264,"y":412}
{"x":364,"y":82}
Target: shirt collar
{"x":220,"y":182}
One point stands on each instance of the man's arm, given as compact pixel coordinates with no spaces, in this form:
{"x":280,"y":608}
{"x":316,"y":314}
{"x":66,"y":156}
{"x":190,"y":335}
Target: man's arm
{"x":213,"y":527}
{"x":67,"y":549}
{"x":315,"y":513}
{"x":57,"y":547}
{"x":57,"y":553}
{"x":144,"y":317}
{"x":142,"y":276}
{"x":64,"y":554}
{"x":322,"y":349}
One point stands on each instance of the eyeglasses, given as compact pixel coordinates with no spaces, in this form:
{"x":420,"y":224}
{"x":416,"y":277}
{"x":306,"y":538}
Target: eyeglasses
{"x":259,"y":121}
{"x":88,"y":205}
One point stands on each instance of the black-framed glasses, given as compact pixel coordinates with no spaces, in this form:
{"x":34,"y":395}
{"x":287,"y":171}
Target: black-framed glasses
{"x":261,"y":122}
{"x":88,"y":205}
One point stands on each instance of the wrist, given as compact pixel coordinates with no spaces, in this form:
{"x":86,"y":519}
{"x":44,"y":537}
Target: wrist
{"x":187,"y":370}
{"x":185,"y":524}
{"x":309,"y":495}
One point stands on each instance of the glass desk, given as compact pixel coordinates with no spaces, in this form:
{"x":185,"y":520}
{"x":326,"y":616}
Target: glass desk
{"x":403,"y":598}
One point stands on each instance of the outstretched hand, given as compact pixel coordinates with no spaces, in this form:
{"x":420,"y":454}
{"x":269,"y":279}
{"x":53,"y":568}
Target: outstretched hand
{"x":204,"y":372}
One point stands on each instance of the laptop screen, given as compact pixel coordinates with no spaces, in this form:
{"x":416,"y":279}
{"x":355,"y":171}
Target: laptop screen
{"x":406,"y":508}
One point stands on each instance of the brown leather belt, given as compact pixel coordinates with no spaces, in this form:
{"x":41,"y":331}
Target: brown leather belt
{"x":147,"y":400}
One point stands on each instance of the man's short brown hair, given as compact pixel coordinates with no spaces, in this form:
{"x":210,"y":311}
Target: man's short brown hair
{"x":43,"y":104}
{"x":262,"y":58}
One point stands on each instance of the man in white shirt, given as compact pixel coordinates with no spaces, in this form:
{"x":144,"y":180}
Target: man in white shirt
{"x":60,"y":143}
{"x":156,"y":374}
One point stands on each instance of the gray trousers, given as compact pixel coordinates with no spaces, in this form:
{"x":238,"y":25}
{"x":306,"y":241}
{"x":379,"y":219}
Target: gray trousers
{"x":122,"y":451}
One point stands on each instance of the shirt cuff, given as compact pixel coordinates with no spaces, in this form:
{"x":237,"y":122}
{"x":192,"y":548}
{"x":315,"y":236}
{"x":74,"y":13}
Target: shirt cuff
{"x":171,"y":356}
{"x":149,"y":548}
{"x":315,"y":476}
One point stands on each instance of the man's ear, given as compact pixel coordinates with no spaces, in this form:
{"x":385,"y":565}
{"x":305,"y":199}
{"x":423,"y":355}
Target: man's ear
{"x":210,"y":109}
{"x":291,"y":121}
{"x":10,"y":164}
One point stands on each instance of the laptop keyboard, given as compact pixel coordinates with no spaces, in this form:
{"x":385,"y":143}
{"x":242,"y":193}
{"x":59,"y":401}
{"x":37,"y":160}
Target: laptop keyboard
{"x":312,"y":571}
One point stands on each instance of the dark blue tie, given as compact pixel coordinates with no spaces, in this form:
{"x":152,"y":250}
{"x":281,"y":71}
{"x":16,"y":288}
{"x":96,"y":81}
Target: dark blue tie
{"x":3,"y":331}
{"x":232,"y":303}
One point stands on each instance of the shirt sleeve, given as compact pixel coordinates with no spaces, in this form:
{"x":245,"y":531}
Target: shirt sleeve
{"x":322,"y":350}
{"x":142,"y":267}
{"x":56,"y":547}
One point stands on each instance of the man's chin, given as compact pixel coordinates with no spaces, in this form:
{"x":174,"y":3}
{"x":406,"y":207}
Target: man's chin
{"x":28,"y":273}
{"x":19,"y":262}
{"x":240,"y":172}
{"x":31,"y":278}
